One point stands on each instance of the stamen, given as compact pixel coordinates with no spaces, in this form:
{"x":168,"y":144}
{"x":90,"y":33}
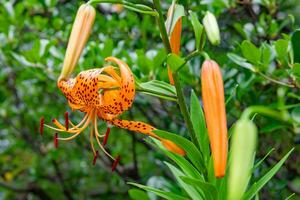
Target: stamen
{"x":56,"y":140}
{"x":67,"y":120}
{"x":106,"y":136}
{"x":42,"y":121}
{"x":115,"y":164}
{"x":95,"y":157}
{"x":97,"y":135}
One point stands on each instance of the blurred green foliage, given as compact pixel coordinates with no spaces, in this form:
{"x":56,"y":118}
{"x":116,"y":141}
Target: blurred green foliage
{"x":255,"y":42}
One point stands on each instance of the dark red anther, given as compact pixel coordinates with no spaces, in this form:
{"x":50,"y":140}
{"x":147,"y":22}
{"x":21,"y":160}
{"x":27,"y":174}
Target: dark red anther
{"x":42,"y":121}
{"x":106,"y":136}
{"x":67,"y":120}
{"x":95,"y":157}
{"x":56,"y":140}
{"x":53,"y":120}
{"x":115,"y":164}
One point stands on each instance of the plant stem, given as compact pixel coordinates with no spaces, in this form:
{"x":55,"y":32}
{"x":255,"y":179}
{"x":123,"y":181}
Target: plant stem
{"x":275,"y":81}
{"x":162,"y":27}
{"x":184,"y":110}
{"x":266,"y":112}
{"x":181,"y":101}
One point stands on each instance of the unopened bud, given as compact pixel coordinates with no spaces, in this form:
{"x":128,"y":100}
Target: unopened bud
{"x":215,"y":114}
{"x":211,"y":27}
{"x":79,"y":35}
{"x":243,"y":145}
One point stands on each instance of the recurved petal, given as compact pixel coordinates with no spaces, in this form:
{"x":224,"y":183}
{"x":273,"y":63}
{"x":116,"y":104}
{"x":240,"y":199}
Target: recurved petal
{"x":118,"y":100}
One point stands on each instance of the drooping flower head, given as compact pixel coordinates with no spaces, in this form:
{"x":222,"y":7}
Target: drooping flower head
{"x":101,"y":93}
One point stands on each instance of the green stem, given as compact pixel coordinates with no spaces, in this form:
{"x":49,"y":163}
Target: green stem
{"x":266,"y":112}
{"x":180,"y":96}
{"x":275,"y":81}
{"x":162,"y":27}
{"x":184,"y":110}
{"x":192,"y":55}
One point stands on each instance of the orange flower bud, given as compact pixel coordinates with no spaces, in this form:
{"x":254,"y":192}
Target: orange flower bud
{"x":79,"y":35}
{"x":175,"y":37}
{"x":215,"y":114}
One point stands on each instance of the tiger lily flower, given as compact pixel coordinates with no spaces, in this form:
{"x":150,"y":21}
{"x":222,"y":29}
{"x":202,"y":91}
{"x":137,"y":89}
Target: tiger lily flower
{"x":215,"y":114}
{"x":104,"y":94}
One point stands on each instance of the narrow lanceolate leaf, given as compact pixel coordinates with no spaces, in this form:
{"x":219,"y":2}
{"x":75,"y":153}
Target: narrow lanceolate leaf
{"x":182,"y":162}
{"x":137,"y":194}
{"x":159,"y":89}
{"x":190,"y":149}
{"x":210,"y":192}
{"x":198,"y":121}
{"x":215,"y":114}
{"x":175,"y":62}
{"x":190,"y":190}
{"x":258,"y":185}
{"x":198,"y":30}
{"x":160,"y":193}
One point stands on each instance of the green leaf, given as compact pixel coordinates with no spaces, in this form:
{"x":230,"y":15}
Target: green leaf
{"x":161,"y":193}
{"x":198,"y":30}
{"x":175,"y":62}
{"x":199,"y":125}
{"x":281,"y":47}
{"x":296,"y":70}
{"x":256,"y":187}
{"x":137,"y":194}
{"x":266,"y":55}
{"x":296,"y":114}
{"x":192,"y":192}
{"x":191,"y":150}
{"x":251,"y":52}
{"x":176,"y":13}
{"x":241,"y":61}
{"x":159,"y":89}
{"x":209,"y":190}
{"x":296,"y":45}
{"x":183,"y":163}
{"x":262,"y":160}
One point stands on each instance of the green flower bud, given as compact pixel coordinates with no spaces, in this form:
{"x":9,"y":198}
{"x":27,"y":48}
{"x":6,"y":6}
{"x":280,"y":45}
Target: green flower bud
{"x":211,"y":28}
{"x":243,"y":145}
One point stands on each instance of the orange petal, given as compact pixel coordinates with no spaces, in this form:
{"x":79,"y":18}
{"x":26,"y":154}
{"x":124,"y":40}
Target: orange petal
{"x":146,"y":129}
{"x":117,"y":101}
{"x":171,"y":146}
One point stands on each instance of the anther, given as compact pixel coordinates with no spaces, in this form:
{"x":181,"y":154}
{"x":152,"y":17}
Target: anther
{"x":56,"y":140}
{"x":115,"y":164}
{"x":106,"y":136}
{"x":67,"y":120}
{"x":42,"y":121}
